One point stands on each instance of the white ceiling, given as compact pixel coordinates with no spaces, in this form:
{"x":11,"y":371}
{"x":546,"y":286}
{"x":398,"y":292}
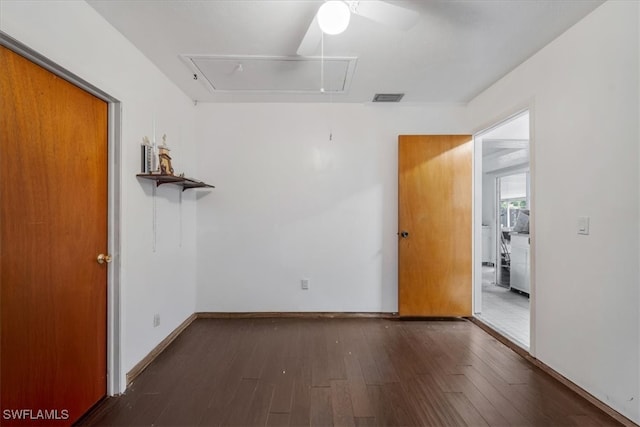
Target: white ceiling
{"x":457,"y":49}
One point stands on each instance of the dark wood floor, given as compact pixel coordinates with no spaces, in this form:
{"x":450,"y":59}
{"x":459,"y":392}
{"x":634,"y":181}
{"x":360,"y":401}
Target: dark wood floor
{"x":347,"y":372}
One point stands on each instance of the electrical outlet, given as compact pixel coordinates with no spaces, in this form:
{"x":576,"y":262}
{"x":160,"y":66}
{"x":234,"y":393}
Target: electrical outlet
{"x":156,"y":320}
{"x":304,"y":284}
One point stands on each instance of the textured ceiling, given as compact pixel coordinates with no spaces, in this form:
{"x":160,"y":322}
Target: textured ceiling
{"x":456,"y":50}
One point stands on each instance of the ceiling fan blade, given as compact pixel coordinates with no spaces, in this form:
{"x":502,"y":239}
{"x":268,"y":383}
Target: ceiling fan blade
{"x":385,"y":13}
{"x":311,"y":39}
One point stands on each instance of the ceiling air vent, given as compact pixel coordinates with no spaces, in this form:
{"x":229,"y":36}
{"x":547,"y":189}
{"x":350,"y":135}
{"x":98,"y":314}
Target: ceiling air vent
{"x":387,"y":97}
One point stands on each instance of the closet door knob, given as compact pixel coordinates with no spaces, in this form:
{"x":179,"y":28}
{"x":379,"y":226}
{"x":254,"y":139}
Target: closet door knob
{"x":102,"y":258}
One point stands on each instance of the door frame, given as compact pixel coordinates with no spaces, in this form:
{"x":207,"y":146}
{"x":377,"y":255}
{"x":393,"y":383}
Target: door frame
{"x":477,"y":212}
{"x":115,"y":376}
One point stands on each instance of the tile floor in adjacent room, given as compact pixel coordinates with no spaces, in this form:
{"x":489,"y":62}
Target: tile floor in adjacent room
{"x":504,"y":310}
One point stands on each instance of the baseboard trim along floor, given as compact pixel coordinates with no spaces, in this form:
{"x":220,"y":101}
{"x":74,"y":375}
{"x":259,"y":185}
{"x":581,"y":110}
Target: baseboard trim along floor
{"x":296,"y":314}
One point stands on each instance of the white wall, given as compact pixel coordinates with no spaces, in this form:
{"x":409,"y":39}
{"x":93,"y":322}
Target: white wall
{"x":72,"y":34}
{"x":292,"y":204}
{"x":583,"y":90}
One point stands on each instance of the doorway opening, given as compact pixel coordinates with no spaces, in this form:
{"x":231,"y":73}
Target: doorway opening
{"x":502,"y":291}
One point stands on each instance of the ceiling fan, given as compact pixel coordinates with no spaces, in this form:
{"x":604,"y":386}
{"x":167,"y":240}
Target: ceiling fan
{"x":333,"y":18}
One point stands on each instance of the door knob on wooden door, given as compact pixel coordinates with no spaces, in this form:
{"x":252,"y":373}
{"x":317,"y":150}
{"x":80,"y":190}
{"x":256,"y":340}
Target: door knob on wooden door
{"x":404,"y":234}
{"x":102,"y":258}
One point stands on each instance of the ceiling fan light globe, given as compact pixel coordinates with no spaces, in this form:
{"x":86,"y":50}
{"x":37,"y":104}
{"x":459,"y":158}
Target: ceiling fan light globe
{"x":333,"y":17}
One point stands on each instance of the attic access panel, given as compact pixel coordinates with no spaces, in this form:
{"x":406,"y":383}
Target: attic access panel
{"x":273,"y":74}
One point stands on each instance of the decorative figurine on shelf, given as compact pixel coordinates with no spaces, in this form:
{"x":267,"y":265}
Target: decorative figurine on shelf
{"x":164,"y":158}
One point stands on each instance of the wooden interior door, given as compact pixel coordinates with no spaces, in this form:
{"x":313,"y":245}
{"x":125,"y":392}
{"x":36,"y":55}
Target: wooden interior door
{"x":53,"y":224}
{"x":434,"y":219}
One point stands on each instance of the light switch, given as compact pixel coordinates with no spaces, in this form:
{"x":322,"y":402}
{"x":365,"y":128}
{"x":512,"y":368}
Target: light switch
{"x":583,"y":225}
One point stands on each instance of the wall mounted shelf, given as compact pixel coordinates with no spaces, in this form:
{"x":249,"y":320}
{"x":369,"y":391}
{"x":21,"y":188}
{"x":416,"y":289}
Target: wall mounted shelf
{"x":185,"y":183}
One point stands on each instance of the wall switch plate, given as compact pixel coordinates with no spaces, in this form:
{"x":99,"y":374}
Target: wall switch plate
{"x":156,"y":320}
{"x":583,"y":225}
{"x":304,"y":284}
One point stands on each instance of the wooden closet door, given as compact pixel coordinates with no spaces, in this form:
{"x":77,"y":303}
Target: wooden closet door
{"x":434,"y":219}
{"x":53,"y":224}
